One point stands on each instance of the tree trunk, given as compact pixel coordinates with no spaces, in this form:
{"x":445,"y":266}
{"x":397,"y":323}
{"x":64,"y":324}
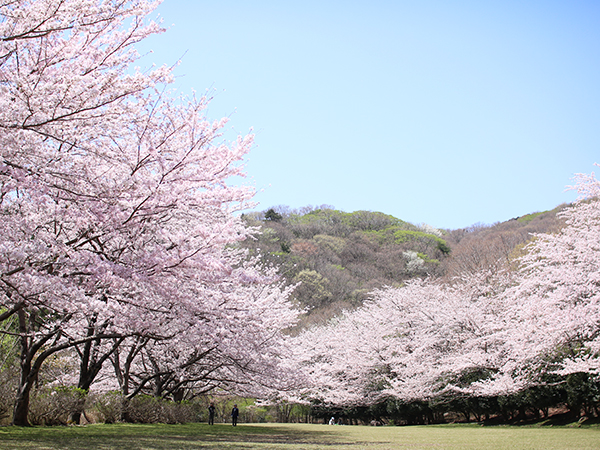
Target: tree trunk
{"x":21,"y":410}
{"x":179,"y":395}
{"x":90,"y":365}
{"x":29,"y":375}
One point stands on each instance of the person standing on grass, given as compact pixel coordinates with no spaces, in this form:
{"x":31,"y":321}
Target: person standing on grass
{"x":211,"y":414}
{"x":235,"y":412}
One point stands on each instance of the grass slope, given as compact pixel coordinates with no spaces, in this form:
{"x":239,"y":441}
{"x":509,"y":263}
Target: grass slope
{"x":297,"y":437}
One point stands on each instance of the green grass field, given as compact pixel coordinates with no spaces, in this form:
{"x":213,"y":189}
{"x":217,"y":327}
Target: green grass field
{"x":297,"y":437}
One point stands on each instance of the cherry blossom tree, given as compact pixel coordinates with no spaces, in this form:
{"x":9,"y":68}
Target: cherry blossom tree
{"x":231,"y":340}
{"x":412,"y":343}
{"x":552,"y":325}
{"x":63,"y":81}
{"x":117,"y":213}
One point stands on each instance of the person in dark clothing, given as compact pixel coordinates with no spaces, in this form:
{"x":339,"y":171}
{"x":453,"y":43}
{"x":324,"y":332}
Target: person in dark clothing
{"x":235,"y":412}
{"x":211,"y":414}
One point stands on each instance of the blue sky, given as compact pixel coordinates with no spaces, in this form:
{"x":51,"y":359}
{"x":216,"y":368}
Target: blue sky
{"x":441,"y":112}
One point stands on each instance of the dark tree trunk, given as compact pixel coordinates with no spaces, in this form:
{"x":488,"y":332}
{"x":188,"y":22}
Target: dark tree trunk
{"x":179,"y":395}
{"x":91,"y":362}
{"x":31,"y":361}
{"x":21,"y":409}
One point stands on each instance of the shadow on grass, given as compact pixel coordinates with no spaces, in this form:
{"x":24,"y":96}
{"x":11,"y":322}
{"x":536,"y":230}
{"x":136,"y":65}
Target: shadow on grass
{"x":165,"y":437}
{"x":561,"y":420}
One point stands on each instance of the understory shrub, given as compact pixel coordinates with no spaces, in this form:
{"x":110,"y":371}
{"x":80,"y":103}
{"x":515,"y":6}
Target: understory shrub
{"x":53,"y":406}
{"x":110,"y":406}
{"x":8,"y":390}
{"x":148,"y":409}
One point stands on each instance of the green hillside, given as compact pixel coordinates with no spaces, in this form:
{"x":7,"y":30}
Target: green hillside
{"x":337,"y":258}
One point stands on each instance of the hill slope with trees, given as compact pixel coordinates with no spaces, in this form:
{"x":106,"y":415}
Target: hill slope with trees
{"x":337,"y":258}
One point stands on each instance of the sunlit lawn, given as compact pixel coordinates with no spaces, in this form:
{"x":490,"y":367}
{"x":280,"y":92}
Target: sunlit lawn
{"x":297,"y":437}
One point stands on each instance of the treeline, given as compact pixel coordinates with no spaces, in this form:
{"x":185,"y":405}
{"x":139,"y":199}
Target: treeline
{"x":560,"y":400}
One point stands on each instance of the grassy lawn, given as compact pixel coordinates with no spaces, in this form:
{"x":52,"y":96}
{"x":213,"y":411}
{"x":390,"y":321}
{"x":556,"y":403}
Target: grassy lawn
{"x":297,"y":437}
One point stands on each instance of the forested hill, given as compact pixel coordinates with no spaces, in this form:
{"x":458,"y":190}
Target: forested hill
{"x":339,"y":257}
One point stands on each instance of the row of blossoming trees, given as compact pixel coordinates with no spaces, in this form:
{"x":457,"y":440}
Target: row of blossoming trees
{"x":486,"y":343}
{"x":118,"y":249}
{"x":117,"y":225}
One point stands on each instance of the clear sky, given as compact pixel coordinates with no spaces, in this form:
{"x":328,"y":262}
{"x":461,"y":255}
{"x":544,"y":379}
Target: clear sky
{"x":442,"y":112}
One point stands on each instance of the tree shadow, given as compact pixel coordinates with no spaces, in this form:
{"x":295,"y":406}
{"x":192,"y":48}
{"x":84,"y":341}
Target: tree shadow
{"x":255,"y":435}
